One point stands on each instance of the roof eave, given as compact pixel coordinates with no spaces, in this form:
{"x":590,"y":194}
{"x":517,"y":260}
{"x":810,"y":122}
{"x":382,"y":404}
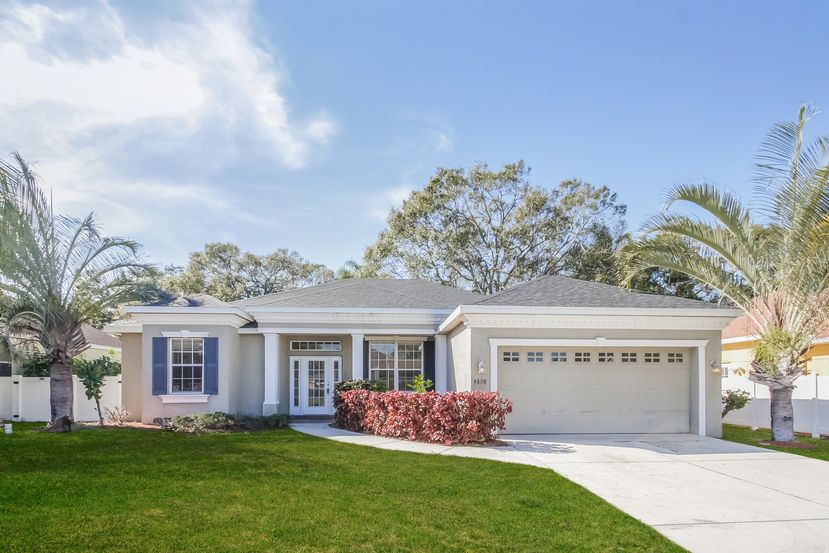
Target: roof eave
{"x":461,"y":311}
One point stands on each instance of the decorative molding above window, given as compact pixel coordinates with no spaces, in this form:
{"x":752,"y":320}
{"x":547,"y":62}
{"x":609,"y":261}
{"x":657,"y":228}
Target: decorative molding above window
{"x":184,"y":334}
{"x":316,"y":345}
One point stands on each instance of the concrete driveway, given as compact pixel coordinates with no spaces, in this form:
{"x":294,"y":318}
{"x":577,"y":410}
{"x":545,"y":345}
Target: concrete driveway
{"x":705,"y":494}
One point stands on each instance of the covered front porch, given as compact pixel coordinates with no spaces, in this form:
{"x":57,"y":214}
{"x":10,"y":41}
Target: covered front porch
{"x":303,"y":366}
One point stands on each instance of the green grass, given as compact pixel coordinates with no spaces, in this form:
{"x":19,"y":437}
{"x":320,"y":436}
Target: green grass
{"x":748,"y":436}
{"x":138,"y":490}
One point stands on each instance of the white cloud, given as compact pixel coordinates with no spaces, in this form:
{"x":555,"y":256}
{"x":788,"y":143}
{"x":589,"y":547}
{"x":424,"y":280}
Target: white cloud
{"x":391,"y":198}
{"x":129,"y":118}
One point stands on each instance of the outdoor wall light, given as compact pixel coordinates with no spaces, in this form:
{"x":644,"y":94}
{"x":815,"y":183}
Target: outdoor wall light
{"x":715,"y":368}
{"x":481,"y":368}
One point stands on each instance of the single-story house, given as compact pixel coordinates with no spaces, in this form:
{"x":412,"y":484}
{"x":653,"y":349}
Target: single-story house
{"x":572,"y":356}
{"x":740,"y":337}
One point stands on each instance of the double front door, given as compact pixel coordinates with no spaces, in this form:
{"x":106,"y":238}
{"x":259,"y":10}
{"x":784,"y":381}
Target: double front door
{"x":312,"y":384}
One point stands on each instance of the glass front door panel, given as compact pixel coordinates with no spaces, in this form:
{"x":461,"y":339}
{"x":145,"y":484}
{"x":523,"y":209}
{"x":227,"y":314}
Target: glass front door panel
{"x":316,"y":383}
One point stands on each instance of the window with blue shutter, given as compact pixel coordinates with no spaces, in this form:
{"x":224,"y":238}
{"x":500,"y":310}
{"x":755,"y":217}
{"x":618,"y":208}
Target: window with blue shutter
{"x":211,"y":366}
{"x":159,"y":366}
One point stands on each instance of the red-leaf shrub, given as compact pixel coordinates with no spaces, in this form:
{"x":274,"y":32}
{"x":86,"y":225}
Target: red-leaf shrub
{"x":452,"y":418}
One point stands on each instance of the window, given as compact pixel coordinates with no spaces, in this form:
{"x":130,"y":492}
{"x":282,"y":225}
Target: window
{"x":186,"y":365}
{"x":316,"y":345}
{"x":535,"y":356}
{"x":510,"y":356}
{"x":296,"y":382}
{"x":559,"y":357}
{"x":628,"y":357}
{"x":605,"y":357}
{"x":651,"y":358}
{"x":675,"y":357}
{"x":337,"y":371}
{"x":5,"y":368}
{"x":582,"y":357}
{"x":395,"y":364}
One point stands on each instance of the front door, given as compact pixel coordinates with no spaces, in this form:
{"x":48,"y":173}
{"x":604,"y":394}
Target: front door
{"x":313,"y":380}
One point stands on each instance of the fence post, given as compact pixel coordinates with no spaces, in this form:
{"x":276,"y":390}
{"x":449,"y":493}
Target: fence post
{"x":815,"y":425}
{"x":754,"y":408}
{"x":17,"y":384}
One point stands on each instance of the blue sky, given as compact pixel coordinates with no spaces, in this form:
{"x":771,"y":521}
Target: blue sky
{"x":299,"y":124}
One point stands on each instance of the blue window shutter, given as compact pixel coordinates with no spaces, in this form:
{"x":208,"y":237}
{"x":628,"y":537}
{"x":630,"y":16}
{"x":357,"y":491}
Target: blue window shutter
{"x":429,"y":361}
{"x":159,"y":366}
{"x":211,"y":366}
{"x":366,"y":373}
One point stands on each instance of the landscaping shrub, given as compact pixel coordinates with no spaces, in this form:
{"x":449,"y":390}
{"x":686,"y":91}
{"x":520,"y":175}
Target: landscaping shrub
{"x":452,"y":418}
{"x":202,"y":422}
{"x":734,"y":400}
{"x":219,"y":422}
{"x":371,"y":385}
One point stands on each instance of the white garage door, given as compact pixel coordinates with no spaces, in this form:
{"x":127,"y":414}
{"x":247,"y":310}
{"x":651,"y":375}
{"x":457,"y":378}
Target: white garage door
{"x":595,"y":390}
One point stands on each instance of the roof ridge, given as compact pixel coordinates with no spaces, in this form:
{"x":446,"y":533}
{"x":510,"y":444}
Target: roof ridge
{"x":306,"y":290}
{"x":372,"y":283}
{"x":514,"y":287}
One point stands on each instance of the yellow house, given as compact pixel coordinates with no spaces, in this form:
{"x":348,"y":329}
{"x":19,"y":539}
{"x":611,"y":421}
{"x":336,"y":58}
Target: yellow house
{"x":738,"y":341}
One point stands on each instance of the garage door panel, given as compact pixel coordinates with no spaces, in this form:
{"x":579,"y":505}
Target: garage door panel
{"x":606,"y":422}
{"x":562,"y":401}
{"x":609,"y":397}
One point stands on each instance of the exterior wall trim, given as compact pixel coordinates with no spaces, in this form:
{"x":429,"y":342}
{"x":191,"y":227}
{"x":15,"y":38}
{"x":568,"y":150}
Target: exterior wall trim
{"x":184,"y":398}
{"x":184,"y":334}
{"x":343,"y":330}
{"x":506,"y":316}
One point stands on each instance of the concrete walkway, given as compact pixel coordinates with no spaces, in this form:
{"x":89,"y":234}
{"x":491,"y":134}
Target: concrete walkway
{"x":705,"y":494}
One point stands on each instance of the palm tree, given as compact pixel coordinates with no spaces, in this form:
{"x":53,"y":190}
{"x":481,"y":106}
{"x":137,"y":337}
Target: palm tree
{"x":56,"y":272}
{"x":771,"y":259}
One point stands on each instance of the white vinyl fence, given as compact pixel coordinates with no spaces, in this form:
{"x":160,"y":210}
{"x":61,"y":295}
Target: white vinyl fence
{"x":810,"y":399}
{"x":24,"y":398}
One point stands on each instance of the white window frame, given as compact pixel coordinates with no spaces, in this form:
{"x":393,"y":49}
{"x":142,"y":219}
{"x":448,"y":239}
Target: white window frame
{"x":558,"y":356}
{"x":606,"y":357}
{"x":629,"y":357}
{"x":511,"y":356}
{"x":338,"y":345}
{"x":675,"y":357}
{"x":170,"y":367}
{"x":582,"y":357}
{"x":652,"y":357}
{"x":396,"y":369}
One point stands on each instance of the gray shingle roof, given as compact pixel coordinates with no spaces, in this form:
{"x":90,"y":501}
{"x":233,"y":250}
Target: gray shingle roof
{"x":559,"y":291}
{"x":368,"y":292}
{"x":98,"y":337}
{"x":193,"y":300}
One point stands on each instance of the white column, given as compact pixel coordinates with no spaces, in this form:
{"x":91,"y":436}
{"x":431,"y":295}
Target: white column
{"x":440,"y":363}
{"x":357,"y":357}
{"x":493,"y":366}
{"x":271,"y":403}
{"x":701,"y":389}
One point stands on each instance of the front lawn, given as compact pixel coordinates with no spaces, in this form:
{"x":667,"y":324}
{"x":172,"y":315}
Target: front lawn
{"x":279,"y":490}
{"x":744,"y":435}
